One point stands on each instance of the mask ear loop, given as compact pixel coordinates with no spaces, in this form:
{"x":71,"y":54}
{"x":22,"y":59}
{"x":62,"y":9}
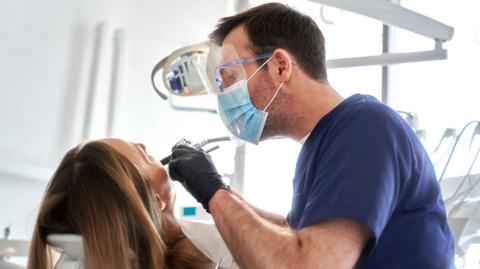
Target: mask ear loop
{"x":278,"y":90}
{"x":273,"y":98}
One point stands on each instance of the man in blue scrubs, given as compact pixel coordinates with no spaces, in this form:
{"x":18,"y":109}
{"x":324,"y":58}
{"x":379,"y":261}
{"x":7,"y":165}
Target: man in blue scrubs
{"x":365,"y":192}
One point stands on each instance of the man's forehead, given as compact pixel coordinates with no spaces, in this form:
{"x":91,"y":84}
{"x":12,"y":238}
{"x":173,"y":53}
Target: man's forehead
{"x":238,"y":39}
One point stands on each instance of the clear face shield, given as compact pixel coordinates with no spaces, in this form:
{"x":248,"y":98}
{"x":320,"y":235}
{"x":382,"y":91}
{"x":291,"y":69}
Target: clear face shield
{"x":225,"y":67}
{"x":228,"y":79}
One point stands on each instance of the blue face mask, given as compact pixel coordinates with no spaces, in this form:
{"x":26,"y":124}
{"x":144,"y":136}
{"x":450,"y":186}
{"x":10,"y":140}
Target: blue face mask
{"x":238,"y":113}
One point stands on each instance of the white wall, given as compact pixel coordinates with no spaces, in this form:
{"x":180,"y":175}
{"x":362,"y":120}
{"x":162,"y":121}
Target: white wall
{"x":46,"y":52}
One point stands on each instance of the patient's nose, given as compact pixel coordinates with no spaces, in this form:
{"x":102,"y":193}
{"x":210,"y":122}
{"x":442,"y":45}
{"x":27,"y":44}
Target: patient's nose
{"x":142,"y":146}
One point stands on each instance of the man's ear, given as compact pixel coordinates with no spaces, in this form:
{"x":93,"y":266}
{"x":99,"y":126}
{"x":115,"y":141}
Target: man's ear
{"x":160,"y":202}
{"x":282,"y":65}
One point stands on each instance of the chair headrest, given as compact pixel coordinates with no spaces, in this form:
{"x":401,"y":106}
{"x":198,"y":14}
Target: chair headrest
{"x":69,"y":244}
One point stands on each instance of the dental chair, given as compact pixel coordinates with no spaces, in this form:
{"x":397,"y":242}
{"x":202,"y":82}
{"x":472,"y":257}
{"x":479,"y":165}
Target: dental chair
{"x":70,"y":246}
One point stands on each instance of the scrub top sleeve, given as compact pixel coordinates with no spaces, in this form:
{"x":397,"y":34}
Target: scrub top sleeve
{"x":356,"y":176}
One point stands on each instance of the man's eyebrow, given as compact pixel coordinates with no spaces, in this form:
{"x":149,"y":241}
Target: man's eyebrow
{"x":249,"y":48}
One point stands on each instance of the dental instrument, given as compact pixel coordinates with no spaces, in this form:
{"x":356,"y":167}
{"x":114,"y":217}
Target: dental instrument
{"x":167,"y":159}
{"x":218,"y":264}
{"x":198,"y":145}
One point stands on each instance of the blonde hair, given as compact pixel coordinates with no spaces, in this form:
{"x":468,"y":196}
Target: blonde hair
{"x":98,"y":193}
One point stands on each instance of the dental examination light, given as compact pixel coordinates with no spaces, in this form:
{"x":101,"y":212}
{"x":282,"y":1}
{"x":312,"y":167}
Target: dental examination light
{"x":183,"y":74}
{"x":183,"y":71}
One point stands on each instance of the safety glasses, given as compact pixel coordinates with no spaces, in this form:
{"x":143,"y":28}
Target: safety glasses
{"x":230,"y":73}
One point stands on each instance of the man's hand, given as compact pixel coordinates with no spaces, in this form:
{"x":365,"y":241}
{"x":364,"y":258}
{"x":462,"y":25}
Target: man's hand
{"x":195,"y":170}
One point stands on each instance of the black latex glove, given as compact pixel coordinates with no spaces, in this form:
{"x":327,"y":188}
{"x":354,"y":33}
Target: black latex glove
{"x":195,"y":170}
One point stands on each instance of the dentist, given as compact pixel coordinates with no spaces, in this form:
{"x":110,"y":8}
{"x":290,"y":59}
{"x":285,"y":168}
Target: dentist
{"x":365,"y":192}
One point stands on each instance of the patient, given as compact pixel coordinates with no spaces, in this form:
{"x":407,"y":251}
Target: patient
{"x":119,"y":199}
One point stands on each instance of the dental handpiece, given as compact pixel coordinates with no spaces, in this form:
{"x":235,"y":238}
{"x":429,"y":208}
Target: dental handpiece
{"x":198,"y":145}
{"x":167,"y":159}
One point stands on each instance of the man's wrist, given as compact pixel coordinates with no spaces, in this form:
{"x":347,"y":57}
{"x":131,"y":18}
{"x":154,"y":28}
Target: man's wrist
{"x":217,"y":197}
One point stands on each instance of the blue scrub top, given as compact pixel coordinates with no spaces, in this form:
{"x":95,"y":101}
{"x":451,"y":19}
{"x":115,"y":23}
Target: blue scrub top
{"x":364,"y":163}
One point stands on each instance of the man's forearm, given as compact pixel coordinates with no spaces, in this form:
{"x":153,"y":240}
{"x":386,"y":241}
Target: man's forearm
{"x":272,"y":217}
{"x":256,"y":242}
{"x":247,"y":234}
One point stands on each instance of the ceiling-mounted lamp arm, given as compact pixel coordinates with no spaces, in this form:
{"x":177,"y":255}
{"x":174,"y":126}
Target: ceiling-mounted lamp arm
{"x":395,"y":15}
{"x":388,"y":59}
{"x":439,"y":45}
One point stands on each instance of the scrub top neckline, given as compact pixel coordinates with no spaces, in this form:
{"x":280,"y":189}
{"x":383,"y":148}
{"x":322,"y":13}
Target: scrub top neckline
{"x":326,"y":118}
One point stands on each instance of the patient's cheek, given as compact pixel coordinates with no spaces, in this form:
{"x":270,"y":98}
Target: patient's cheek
{"x":168,"y":194}
{"x":160,"y":182}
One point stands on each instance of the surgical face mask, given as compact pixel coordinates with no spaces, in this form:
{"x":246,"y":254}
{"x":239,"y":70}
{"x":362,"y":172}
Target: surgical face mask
{"x":239,"y":115}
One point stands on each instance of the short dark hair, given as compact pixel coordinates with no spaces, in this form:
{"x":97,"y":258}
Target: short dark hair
{"x":273,"y":25}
